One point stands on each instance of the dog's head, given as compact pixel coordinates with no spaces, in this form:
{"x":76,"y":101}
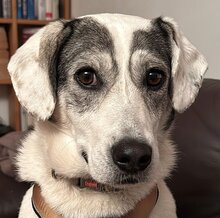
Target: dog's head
{"x":112,"y":82}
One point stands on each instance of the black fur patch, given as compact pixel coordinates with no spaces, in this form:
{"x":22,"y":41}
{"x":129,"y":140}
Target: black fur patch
{"x":156,"y":41}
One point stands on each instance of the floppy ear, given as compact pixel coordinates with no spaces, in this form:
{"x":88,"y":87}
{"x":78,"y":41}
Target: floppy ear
{"x":31,"y":70}
{"x":188,"y":68}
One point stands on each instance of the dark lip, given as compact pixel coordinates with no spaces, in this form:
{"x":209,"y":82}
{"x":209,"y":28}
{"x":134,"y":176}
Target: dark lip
{"x":129,"y":181}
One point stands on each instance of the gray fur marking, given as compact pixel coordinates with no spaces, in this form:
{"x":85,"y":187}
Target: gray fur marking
{"x":157,"y":42}
{"x":87,"y":46}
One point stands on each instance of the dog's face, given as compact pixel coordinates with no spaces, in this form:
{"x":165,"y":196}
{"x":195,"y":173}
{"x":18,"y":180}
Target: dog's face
{"x":112,"y":83}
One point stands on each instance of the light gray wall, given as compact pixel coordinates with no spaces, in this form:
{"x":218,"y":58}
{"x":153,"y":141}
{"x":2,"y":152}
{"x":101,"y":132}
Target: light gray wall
{"x":198,"y":19}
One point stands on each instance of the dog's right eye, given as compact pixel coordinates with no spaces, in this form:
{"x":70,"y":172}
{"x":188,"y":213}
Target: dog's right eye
{"x":86,"y":77}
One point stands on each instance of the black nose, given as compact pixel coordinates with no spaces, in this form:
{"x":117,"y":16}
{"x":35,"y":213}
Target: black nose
{"x":131,"y":156}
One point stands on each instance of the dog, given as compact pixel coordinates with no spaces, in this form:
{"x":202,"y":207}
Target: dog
{"x":104,"y":90}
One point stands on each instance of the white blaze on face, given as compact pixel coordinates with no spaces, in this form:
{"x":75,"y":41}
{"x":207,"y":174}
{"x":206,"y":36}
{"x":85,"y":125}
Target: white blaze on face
{"x":124,"y":95}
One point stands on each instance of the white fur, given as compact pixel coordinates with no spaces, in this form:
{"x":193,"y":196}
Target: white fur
{"x":188,"y":69}
{"x":59,"y":146}
{"x":25,"y":66}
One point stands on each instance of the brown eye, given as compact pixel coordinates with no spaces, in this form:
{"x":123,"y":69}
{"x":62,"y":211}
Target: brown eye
{"x":86,"y":77}
{"x":155,"y":78}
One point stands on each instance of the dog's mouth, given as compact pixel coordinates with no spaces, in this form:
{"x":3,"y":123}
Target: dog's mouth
{"x":91,"y":184}
{"x":95,"y":186}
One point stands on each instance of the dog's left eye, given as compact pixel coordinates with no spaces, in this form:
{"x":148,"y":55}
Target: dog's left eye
{"x":154,"y":78}
{"x":86,"y":77}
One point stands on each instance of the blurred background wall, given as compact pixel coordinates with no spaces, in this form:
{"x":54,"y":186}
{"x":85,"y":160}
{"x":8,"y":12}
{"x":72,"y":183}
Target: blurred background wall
{"x":198,"y":19}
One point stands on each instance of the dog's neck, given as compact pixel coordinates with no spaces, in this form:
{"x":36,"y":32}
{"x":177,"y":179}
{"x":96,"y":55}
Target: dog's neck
{"x":141,"y":210}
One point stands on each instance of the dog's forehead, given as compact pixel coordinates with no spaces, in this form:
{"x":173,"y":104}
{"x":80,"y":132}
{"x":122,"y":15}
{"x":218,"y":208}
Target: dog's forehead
{"x":126,"y":22}
{"x":122,"y":27}
{"x":130,"y":33}
{"x":122,"y":30}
